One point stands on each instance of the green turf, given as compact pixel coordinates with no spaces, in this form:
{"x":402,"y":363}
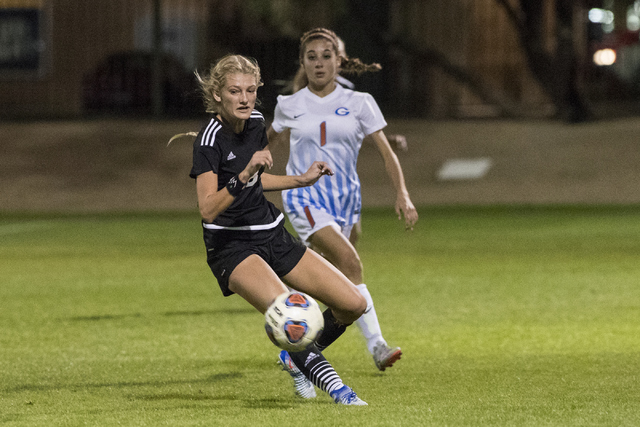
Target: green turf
{"x":506,"y":316}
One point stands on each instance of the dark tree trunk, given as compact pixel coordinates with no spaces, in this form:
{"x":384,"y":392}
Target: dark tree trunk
{"x":557,"y":71}
{"x":567,"y":63}
{"x":430,"y":58}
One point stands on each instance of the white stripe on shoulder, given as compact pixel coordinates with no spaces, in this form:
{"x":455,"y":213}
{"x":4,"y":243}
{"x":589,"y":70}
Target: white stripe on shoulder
{"x":209,"y":136}
{"x":255,"y":114}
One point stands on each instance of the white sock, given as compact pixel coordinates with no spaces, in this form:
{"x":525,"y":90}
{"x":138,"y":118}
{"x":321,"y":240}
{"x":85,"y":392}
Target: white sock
{"x":368,"y":322}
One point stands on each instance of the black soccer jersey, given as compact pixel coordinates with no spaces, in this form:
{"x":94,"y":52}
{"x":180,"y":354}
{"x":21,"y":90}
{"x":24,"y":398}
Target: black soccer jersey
{"x":220,"y":150}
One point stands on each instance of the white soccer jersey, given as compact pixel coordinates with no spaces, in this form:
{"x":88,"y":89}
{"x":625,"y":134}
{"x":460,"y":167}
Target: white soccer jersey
{"x":329,"y":129}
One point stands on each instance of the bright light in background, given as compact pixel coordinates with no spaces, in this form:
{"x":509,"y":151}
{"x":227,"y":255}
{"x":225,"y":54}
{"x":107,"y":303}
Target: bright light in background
{"x":601,"y":16}
{"x":633,"y":16}
{"x":604,"y":57}
{"x":604,"y":17}
{"x":633,"y":22}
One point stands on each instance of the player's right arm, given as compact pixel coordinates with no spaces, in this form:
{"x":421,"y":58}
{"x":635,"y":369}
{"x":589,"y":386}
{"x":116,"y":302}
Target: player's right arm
{"x":211,"y":201}
{"x":279,"y":132}
{"x":277,"y":139}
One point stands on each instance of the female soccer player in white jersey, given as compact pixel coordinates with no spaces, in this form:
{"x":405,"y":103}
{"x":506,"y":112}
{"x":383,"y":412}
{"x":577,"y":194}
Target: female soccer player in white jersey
{"x":248,"y":249}
{"x":329,"y":122}
{"x":398,"y":142}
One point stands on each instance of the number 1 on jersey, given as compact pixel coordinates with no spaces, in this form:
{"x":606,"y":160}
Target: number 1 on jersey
{"x":323,"y":133}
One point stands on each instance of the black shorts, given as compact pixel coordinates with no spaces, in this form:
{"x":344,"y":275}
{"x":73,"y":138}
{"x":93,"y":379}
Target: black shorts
{"x":280,"y":250}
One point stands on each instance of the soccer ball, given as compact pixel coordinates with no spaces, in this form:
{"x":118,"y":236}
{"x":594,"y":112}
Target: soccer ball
{"x":294,"y":321}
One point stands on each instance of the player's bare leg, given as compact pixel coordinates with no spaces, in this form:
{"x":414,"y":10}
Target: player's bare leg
{"x":341,"y":253}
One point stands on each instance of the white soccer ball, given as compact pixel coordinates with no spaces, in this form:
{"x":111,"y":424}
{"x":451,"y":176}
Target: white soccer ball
{"x":294,"y":321}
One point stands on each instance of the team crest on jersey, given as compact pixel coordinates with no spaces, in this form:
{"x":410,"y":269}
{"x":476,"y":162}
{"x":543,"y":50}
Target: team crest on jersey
{"x":342,"y":111}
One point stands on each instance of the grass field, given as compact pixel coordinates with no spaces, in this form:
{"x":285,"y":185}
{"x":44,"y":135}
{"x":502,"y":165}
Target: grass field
{"x":506,"y":316}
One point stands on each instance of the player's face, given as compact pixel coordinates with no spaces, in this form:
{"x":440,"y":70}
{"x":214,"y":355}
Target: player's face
{"x":238,"y":98}
{"x":321,"y":64}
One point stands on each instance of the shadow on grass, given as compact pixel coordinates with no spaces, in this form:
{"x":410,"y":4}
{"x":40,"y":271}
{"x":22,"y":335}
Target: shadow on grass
{"x":230,"y":311}
{"x":104,"y":317}
{"x":249,"y":402}
{"x":227,"y":376}
{"x":182,"y":396}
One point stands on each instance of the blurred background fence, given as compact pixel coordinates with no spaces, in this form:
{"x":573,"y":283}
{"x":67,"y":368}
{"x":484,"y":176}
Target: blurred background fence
{"x":441,"y":58}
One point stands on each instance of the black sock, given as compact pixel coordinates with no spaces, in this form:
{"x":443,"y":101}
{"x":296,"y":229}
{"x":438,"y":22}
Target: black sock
{"x":332,"y":330}
{"x":317,"y":369}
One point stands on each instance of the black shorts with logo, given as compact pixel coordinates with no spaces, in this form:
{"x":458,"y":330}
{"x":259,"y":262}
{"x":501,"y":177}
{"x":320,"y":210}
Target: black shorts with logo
{"x":226,"y":249}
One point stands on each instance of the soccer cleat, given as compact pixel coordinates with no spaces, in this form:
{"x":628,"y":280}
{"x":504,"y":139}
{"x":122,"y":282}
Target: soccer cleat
{"x":346,"y":396}
{"x":304,"y":387}
{"x":385,"y":356}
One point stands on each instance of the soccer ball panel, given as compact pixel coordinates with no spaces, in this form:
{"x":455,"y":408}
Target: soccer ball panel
{"x":294,"y":321}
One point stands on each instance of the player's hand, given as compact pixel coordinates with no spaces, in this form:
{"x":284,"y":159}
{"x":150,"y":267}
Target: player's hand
{"x":315,"y":172}
{"x":398,"y":142}
{"x":260,"y":159}
{"x":406,"y":208}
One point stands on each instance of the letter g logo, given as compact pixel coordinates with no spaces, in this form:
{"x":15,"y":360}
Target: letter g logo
{"x":342,"y":111}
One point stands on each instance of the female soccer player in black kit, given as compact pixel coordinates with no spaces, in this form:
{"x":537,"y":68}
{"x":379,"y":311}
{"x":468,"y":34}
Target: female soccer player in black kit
{"x":248,"y":249}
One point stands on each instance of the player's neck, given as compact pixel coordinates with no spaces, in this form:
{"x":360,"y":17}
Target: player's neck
{"x":323,"y":91}
{"x":237,"y":125}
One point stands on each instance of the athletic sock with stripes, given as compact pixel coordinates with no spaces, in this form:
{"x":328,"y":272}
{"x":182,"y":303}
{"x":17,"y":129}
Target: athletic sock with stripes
{"x":332,"y":330}
{"x":317,"y":369}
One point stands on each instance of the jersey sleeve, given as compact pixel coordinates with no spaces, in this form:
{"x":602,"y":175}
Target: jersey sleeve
{"x":280,"y":118}
{"x":205,"y":159}
{"x":371,"y":118}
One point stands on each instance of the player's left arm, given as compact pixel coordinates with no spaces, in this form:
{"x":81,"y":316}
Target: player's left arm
{"x":285,"y":182}
{"x":404,"y":206}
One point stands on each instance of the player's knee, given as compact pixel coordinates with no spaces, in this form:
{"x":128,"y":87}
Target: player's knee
{"x":351,"y":266}
{"x":357,"y":308}
{"x":362,"y":307}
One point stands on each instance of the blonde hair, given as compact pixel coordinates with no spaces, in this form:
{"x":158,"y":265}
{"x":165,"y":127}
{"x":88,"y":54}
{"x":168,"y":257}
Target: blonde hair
{"x":347,"y":65}
{"x":217,"y":78}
